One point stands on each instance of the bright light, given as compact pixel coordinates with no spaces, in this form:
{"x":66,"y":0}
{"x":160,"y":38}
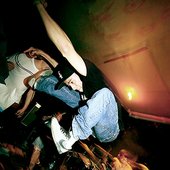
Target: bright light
{"x":131,"y":93}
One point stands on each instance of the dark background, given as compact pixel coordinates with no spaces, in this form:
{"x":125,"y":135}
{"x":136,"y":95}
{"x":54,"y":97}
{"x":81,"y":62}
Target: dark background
{"x":24,"y":28}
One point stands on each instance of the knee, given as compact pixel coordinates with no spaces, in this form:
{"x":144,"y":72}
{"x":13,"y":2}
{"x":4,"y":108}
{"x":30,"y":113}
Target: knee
{"x":105,"y":93}
{"x":107,"y":96}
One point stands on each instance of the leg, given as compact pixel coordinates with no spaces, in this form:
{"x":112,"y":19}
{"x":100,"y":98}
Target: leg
{"x":34,"y":158}
{"x":38,"y":145}
{"x":98,"y":117}
{"x":47,"y":84}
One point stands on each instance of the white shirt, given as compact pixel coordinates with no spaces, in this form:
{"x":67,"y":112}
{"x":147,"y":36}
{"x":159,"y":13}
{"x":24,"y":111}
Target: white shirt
{"x":15,"y":88}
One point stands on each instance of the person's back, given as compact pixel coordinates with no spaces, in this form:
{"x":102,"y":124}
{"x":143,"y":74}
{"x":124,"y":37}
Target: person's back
{"x":15,"y":87}
{"x":93,"y":81}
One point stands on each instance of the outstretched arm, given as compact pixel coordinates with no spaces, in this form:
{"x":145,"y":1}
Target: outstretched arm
{"x":61,"y":41}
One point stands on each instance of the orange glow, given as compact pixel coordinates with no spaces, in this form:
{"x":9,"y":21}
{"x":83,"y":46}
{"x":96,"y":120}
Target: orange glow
{"x":131,"y":93}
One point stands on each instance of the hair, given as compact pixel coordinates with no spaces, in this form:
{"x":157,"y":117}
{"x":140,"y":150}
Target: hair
{"x":131,"y":160}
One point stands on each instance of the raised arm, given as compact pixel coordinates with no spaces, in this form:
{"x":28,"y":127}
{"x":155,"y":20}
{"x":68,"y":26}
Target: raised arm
{"x":61,"y":41}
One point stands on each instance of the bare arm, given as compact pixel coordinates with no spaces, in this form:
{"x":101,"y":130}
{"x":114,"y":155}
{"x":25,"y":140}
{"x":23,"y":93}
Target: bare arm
{"x":29,"y":97}
{"x":61,"y":41}
{"x":35,"y":51}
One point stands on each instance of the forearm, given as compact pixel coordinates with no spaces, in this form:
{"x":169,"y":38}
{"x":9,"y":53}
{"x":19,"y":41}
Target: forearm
{"x":53,"y":62}
{"x":61,"y":41}
{"x":29,"y":97}
{"x":34,"y":52}
{"x":55,"y":33}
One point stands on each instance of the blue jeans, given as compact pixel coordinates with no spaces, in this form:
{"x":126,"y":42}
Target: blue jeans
{"x":99,"y":118}
{"x":47,"y":83}
{"x":38,"y":143}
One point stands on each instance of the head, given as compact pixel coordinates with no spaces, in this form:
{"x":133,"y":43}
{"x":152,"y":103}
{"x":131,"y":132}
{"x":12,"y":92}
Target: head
{"x":127,"y":161}
{"x":67,"y":75}
{"x":74,"y":82}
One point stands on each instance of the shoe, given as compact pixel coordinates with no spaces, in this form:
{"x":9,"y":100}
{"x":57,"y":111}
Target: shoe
{"x":58,"y":135}
{"x":68,"y":143}
{"x":62,"y":139}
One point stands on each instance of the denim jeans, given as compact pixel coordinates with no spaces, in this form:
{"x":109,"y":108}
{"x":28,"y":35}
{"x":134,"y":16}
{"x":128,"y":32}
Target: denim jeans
{"x":47,"y":83}
{"x":99,"y":118}
{"x":38,"y":143}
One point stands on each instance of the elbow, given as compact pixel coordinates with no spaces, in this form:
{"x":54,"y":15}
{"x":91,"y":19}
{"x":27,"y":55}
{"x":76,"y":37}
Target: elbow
{"x":67,"y":49}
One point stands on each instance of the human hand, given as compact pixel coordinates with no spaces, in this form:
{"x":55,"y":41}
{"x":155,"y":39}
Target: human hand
{"x":30,"y":52}
{"x":59,"y":115}
{"x":33,"y":52}
{"x":20,"y":113}
{"x":43,"y":2}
